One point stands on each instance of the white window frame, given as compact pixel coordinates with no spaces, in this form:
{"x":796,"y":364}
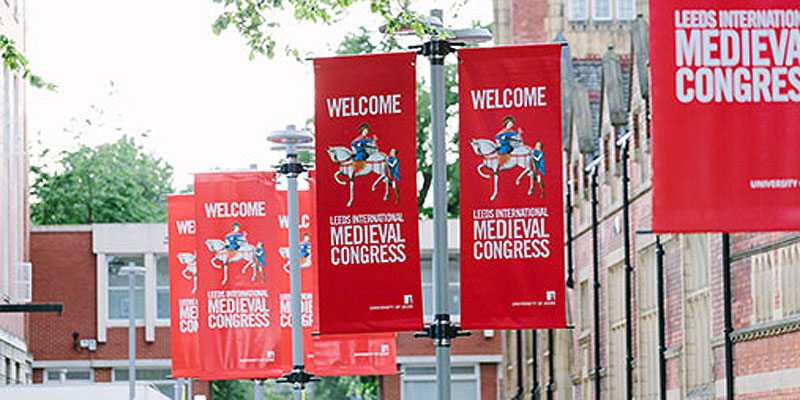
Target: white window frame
{"x":452,"y":259}
{"x":123,"y":322}
{"x":161,"y":321}
{"x":630,"y":17}
{"x":595,"y":10}
{"x":572,"y":16}
{"x":46,"y":380}
{"x":476,"y":376}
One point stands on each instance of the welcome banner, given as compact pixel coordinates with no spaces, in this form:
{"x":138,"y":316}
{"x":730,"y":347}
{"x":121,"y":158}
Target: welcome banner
{"x":725,"y":112}
{"x":240,"y":331}
{"x":512,"y":259}
{"x":365,"y":116}
{"x":327,"y":355}
{"x":184,"y":304}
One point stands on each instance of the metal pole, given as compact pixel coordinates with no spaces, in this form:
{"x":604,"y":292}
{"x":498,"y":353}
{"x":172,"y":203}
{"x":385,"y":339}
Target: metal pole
{"x":662,"y":345}
{"x":520,"y":385}
{"x":440,"y":245}
{"x":534,"y":366}
{"x":551,"y":379}
{"x":596,"y":278}
{"x":626,"y":225}
{"x":726,"y":288}
{"x":258,"y":389}
{"x":568,"y":206}
{"x":294,"y":275}
{"x":131,"y":333}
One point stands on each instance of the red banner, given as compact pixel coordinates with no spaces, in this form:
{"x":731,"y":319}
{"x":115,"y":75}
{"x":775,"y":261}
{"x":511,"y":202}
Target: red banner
{"x":184,"y":305}
{"x":354,"y":354}
{"x":328,"y":355}
{"x":512,"y":258}
{"x":365,"y":115}
{"x":240,"y":330}
{"x":726,"y":88}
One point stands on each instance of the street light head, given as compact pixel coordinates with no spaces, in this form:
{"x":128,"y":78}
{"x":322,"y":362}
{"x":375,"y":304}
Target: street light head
{"x":471,"y":35}
{"x":291,"y":138}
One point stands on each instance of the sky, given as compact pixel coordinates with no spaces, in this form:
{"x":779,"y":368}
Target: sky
{"x":203,"y":104}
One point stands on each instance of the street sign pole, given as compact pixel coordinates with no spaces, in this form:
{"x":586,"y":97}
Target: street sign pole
{"x":132,"y":270}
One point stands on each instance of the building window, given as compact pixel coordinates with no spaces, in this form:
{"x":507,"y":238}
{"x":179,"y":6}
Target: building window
{"x":419,"y":382}
{"x":790,"y":279}
{"x":626,"y":10}
{"x":118,"y":300}
{"x":67,"y":376}
{"x":697,"y":317}
{"x":162,"y":286}
{"x":578,"y":10}
{"x":601,"y":10}
{"x":763,"y":288}
{"x":648,"y":324}
{"x":159,"y":377}
{"x":616,"y":343}
{"x":585,"y":315}
{"x":454,"y":285}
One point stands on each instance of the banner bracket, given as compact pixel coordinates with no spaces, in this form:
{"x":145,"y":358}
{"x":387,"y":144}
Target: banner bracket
{"x":298,"y":378}
{"x":442,"y":331}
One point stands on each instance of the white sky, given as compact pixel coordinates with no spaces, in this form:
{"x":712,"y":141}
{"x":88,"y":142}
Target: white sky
{"x":205,"y":104}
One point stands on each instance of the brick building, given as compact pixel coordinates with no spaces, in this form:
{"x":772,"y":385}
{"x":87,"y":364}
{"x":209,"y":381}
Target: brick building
{"x":765,"y":270}
{"x":78,"y":265}
{"x":15,"y":267}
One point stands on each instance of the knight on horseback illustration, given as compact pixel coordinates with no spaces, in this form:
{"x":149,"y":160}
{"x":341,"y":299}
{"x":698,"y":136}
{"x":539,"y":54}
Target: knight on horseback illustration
{"x":233,"y":248}
{"x":362,"y":158}
{"x":506,"y":152}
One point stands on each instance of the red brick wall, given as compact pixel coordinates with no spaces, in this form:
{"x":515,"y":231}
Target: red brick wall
{"x":489,"y":381}
{"x":527,"y":21}
{"x":64,"y":271}
{"x":476,"y":344}
{"x":390,"y":387}
{"x":102,"y":375}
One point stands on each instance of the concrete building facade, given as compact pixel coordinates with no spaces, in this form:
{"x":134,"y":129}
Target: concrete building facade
{"x":15,"y":360}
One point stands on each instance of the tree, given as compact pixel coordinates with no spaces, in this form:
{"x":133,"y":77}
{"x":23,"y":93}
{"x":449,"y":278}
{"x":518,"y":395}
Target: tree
{"x":113,"y":182}
{"x":346,"y":387}
{"x":16,"y":61}
{"x":258,"y":20}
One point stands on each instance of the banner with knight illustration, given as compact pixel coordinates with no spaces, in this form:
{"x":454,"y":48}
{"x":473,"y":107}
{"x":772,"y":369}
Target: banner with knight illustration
{"x":238,"y":292}
{"x":512,"y":258}
{"x":184,"y":304}
{"x":368,"y":252}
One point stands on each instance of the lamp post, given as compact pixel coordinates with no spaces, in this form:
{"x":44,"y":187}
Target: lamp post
{"x":132,"y":270}
{"x":291,"y":140}
{"x":439,"y":42}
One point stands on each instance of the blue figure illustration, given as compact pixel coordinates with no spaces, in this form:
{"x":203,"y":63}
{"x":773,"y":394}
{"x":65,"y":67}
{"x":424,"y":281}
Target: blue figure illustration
{"x":305,"y":246}
{"x":506,"y":137}
{"x":537,"y":166}
{"x":393,"y":173}
{"x":235,"y":237}
{"x":360,"y":144}
{"x":259,"y":253}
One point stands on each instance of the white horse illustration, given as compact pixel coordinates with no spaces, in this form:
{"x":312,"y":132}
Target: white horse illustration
{"x":190,"y":272}
{"x":285,"y":255}
{"x":519,"y":157}
{"x":375,"y":164}
{"x":245,"y":252}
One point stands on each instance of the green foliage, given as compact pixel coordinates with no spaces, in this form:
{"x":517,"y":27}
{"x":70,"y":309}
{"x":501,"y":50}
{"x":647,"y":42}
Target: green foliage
{"x":243,"y":390}
{"x":346,"y":387}
{"x":258,"y":20}
{"x":15,"y":61}
{"x":113,"y":182}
